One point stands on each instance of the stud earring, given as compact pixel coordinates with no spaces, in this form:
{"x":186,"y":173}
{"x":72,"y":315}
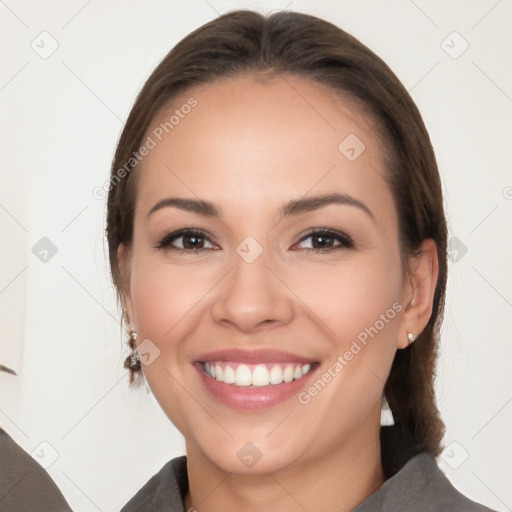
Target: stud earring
{"x":410,"y":338}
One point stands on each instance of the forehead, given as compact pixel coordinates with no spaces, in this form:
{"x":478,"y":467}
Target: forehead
{"x":242,"y":140}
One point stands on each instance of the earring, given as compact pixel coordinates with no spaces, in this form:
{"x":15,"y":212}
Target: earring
{"x":386,"y":416}
{"x":131,"y":340}
{"x":410,"y":337}
{"x":132,"y":362}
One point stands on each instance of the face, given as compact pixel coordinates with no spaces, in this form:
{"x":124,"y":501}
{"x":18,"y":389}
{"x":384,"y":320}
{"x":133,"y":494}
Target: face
{"x":264,"y":279}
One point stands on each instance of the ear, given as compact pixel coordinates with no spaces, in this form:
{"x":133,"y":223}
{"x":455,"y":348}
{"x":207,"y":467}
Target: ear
{"x":418,"y":293}
{"x":124,"y":265}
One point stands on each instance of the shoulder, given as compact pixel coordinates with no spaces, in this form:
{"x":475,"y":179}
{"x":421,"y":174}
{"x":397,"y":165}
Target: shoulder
{"x":439,"y":489}
{"x":24,"y":484}
{"x":420,"y":486}
{"x":163,"y":491}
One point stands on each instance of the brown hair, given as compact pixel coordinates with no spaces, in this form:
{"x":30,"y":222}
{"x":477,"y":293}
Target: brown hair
{"x":243,"y":42}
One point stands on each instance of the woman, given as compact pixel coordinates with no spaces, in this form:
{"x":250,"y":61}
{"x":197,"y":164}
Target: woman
{"x":278,"y":242}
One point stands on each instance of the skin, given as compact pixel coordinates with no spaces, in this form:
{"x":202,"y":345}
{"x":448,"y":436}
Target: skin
{"x":250,"y":146}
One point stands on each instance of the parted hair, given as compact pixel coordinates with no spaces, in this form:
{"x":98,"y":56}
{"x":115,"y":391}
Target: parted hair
{"x":294,"y":44}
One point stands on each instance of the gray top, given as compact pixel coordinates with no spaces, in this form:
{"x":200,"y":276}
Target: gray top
{"x":24,"y":484}
{"x":420,"y":486}
{"x":414,"y":484}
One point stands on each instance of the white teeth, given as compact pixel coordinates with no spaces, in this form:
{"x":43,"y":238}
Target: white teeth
{"x":229,"y":375}
{"x":219,"y":372}
{"x":255,"y":375}
{"x":260,"y":376}
{"x":288,"y":373}
{"x":276,"y":375}
{"x":243,"y":375}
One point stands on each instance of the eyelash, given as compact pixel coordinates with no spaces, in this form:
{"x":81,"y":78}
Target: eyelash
{"x":345,"y":241}
{"x":165,"y":242}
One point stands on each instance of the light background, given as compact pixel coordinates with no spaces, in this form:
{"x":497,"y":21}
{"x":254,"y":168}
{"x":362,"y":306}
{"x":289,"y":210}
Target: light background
{"x":59,"y":325}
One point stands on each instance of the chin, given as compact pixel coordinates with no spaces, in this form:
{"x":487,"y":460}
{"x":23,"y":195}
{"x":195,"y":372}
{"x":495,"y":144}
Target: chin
{"x":250,"y":460}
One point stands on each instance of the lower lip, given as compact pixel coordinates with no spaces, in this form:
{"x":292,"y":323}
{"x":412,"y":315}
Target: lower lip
{"x":252,"y":398}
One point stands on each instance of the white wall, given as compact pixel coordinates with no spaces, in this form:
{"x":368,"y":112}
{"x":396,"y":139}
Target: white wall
{"x":60,"y":120}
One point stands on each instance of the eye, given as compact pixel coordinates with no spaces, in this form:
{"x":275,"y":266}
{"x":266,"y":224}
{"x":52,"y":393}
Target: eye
{"x":324,"y":240}
{"x":189,"y":240}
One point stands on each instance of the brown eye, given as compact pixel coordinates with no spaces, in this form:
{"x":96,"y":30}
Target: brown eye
{"x":322,"y":241}
{"x":186,"y":240}
{"x":325,"y":241}
{"x":192,"y":242}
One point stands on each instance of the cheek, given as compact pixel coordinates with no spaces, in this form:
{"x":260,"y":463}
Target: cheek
{"x":354,"y":297}
{"x":358,"y":303}
{"x":165,"y":294}
{"x":167,"y":300}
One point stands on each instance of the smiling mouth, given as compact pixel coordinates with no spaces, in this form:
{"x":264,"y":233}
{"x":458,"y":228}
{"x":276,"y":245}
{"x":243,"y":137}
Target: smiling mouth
{"x":255,"y":375}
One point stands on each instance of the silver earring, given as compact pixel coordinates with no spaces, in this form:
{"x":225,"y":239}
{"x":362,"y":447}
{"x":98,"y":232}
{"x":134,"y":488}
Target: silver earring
{"x":410,"y":337}
{"x":386,"y":416}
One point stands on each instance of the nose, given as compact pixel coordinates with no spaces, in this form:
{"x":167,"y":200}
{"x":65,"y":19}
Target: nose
{"x":252,"y":297}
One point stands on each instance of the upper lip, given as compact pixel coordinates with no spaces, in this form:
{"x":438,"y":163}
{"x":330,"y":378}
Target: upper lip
{"x":253,"y":356}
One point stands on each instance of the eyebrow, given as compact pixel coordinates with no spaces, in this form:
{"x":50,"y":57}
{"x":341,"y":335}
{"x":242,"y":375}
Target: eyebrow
{"x":189,"y":205}
{"x":291,"y":208}
{"x":307,"y":204}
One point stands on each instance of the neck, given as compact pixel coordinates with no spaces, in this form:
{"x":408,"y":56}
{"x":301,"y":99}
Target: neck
{"x":337,"y":481}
